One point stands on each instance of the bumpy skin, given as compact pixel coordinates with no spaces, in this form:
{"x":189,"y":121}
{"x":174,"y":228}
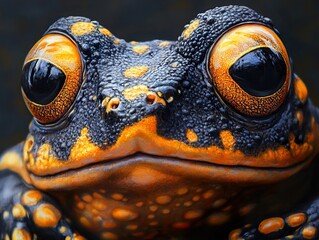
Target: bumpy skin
{"x":182,"y":163}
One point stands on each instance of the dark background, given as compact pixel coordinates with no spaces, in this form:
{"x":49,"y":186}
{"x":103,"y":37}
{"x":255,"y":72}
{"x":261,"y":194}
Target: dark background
{"x":23,"y":22}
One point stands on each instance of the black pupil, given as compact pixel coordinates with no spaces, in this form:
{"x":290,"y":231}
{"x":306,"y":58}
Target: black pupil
{"x":260,"y":72}
{"x":41,"y":81}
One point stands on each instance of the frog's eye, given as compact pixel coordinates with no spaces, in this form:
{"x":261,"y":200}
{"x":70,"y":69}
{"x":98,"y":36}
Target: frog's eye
{"x":51,"y":77}
{"x":250,"y":69}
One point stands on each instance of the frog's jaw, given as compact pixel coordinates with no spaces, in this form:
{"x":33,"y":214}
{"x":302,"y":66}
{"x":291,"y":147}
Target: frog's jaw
{"x":154,"y":194}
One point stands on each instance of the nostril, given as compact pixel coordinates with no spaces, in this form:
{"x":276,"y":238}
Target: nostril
{"x":150,"y":98}
{"x":114,"y":103}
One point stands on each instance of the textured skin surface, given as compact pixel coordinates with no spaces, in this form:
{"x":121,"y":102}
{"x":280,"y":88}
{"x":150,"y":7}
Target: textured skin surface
{"x":122,"y":198}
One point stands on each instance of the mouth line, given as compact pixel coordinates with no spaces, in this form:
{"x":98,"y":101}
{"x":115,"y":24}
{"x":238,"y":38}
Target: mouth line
{"x":143,"y":157}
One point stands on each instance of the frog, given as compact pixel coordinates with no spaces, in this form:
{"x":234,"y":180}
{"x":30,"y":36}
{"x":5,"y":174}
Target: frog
{"x":211,"y":136}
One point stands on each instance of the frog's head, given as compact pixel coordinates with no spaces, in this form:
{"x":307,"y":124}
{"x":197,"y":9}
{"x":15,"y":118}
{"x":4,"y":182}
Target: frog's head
{"x":219,"y":105}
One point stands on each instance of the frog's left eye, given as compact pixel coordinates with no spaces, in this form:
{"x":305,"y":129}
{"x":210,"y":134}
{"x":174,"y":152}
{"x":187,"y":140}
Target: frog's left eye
{"x":250,"y":69}
{"x":51,"y":77}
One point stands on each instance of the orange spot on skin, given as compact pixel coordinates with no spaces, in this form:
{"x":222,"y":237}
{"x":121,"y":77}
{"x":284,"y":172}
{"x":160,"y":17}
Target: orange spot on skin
{"x":20,"y":234}
{"x":309,"y":232}
{"x":228,"y":139}
{"x":246,"y":209}
{"x":31,"y":197}
{"x":182,"y":191}
{"x":234,"y":235}
{"x":271,"y":225}
{"x":191,"y":28}
{"x":301,"y":90}
{"x":18,"y":211}
{"x":135,"y":72}
{"x":181,"y":225}
{"x":109,"y":235}
{"x":208,"y":194}
{"x":153,"y":208}
{"x":296,"y":220}
{"x":109,"y":225}
{"x":106,"y":32}
{"x":139,"y":204}
{"x":117,"y":196}
{"x":87,"y":198}
{"x":165,"y":199}
{"x":217,"y":219}
{"x":193,"y":214}
{"x":140,"y":49}
{"x":46,"y":215}
{"x":132,"y":227}
{"x":166,"y":211}
{"x":191,"y":136}
{"x":116,"y":41}
{"x":123,"y":214}
{"x":81,"y":28}
{"x":299,"y":116}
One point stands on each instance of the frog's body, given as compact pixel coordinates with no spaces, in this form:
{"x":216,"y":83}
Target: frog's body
{"x":160,"y":138}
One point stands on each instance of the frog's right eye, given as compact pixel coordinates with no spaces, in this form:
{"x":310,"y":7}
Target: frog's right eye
{"x":51,"y":77}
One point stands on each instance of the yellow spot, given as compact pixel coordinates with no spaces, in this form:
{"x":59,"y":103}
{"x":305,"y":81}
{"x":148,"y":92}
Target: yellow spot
{"x":109,"y":235}
{"x":62,"y":229}
{"x":116,"y":41}
{"x":117,"y":196}
{"x":228,"y":139}
{"x":135,"y":72}
{"x":134,"y":42}
{"x":20,"y":234}
{"x":170,"y":99}
{"x":105,"y":32}
{"x":140,"y":49}
{"x":191,"y":136}
{"x":124,"y":214}
{"x":193,"y":214}
{"x":5,"y":214}
{"x":135,"y":92}
{"x":174,"y":64}
{"x":46,"y":215}
{"x":165,"y":199}
{"x":191,"y":28}
{"x":81,"y":28}
{"x":301,"y":90}
{"x":18,"y":211}
{"x":31,"y":197}
{"x":164,"y":44}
